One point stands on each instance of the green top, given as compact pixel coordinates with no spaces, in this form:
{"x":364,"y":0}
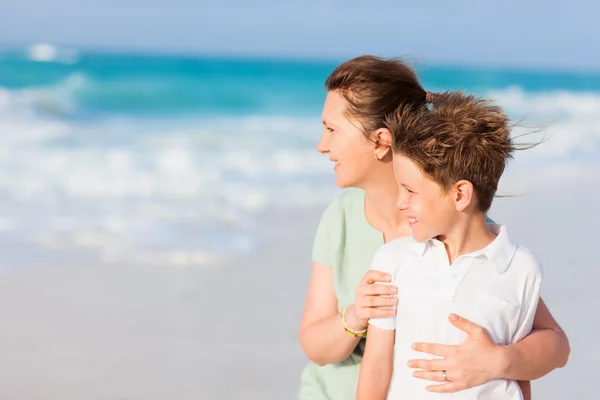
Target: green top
{"x":346,"y":242}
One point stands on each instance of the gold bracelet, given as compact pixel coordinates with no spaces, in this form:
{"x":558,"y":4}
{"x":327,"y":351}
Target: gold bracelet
{"x":349,"y":330}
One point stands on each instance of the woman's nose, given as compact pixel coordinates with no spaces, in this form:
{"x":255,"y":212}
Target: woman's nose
{"x":323,"y":146}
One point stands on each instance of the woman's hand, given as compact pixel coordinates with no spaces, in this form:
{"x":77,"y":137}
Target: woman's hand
{"x":370,"y":297}
{"x":473,"y":362}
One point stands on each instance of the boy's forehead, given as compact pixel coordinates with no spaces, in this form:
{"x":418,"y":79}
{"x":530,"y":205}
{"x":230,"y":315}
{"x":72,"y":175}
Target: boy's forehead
{"x":405,"y":166}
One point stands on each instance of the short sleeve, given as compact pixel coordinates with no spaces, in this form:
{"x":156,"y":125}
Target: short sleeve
{"x":527,"y":314}
{"x":324,"y":243}
{"x":532,"y":298}
{"x":383,"y":262}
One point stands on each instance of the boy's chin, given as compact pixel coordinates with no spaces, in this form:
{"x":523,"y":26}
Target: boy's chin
{"x":420,"y":237}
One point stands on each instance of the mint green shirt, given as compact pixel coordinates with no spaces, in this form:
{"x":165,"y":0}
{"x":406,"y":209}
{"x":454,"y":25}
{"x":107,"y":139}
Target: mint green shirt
{"x":346,"y":242}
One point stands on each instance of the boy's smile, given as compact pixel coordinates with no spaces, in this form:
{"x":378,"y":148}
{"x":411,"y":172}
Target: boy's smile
{"x":429,"y":209}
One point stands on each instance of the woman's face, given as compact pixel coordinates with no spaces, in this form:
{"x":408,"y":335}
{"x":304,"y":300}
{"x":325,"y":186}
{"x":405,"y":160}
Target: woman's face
{"x":352,"y":153}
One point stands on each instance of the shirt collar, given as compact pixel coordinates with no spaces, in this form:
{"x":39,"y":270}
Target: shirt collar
{"x":500,"y":251}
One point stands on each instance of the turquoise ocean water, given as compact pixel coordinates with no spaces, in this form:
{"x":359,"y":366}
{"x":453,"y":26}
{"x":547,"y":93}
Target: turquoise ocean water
{"x":169,"y":159}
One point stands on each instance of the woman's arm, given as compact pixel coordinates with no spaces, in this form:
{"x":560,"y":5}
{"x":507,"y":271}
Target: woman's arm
{"x":478,"y":359}
{"x":322,"y":335}
{"x":543,"y":350}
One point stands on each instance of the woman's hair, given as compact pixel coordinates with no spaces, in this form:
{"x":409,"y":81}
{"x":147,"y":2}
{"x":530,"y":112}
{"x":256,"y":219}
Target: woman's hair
{"x":375,"y":87}
{"x":458,"y":137}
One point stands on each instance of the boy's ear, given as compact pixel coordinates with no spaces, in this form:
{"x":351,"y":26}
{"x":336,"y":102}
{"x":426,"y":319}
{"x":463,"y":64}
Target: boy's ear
{"x":382,"y":138}
{"x":464,"y":194}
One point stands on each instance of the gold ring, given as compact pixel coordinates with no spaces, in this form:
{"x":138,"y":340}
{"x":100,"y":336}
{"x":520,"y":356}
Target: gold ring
{"x":445,"y":376}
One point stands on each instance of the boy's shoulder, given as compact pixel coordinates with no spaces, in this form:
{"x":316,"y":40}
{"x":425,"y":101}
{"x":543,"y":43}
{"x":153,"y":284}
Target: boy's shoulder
{"x":403,"y":244}
{"x":525,"y":262}
{"x":392,"y":254}
{"x":511,"y":259}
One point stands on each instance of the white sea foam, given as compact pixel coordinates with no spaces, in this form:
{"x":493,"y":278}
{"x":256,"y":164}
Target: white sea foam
{"x":569,"y":121}
{"x":46,"y":52}
{"x":185,"y":191}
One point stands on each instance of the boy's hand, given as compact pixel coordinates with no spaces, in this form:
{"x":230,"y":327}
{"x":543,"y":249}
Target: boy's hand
{"x":473,"y":362}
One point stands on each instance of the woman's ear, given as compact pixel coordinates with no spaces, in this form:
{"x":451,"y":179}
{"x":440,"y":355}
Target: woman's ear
{"x":464,"y":194}
{"x":382,"y":138}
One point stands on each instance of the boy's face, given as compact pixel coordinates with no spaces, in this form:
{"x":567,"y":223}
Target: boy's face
{"x":430,"y":210}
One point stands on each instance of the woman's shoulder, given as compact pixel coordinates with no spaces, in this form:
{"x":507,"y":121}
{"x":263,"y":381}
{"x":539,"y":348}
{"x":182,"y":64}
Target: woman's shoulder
{"x":347,"y":202}
{"x":340,"y":218}
{"x":345,"y":210}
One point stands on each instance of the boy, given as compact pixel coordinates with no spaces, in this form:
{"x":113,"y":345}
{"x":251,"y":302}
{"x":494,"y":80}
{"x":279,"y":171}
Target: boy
{"x":448,"y":161}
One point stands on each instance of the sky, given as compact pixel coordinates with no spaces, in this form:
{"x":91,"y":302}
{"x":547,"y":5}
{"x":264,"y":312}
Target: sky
{"x":551,"y":33}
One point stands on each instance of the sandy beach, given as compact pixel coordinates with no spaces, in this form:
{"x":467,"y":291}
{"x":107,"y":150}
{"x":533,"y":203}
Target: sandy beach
{"x":229,"y":331}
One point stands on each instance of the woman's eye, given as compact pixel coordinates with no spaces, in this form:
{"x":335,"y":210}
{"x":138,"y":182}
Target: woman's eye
{"x":330,"y":130}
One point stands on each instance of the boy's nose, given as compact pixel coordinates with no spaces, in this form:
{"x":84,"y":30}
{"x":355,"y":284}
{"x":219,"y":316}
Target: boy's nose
{"x":401,"y":206}
{"x":401,"y":203}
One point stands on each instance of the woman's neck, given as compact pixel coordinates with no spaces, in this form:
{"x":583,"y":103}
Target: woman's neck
{"x":381,"y":196}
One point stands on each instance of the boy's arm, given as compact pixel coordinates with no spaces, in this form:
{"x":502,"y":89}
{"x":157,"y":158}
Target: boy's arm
{"x":376,"y":366}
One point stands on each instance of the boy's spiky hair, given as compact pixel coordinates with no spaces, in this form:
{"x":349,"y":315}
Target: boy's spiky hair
{"x":459,"y":137}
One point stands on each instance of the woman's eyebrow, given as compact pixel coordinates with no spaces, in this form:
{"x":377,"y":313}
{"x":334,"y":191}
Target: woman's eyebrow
{"x":327,"y":123}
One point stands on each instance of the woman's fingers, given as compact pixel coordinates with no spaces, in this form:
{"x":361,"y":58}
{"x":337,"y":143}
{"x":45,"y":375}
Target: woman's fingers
{"x":437,"y":376}
{"x":377,"y":307}
{"x":377,"y":289}
{"x":436,"y":349}
{"x":375,"y":300}
{"x":368,"y":302}
{"x":381,"y":301}
{"x":465,"y":325}
{"x":373,"y":276}
{"x":445,"y":387}
{"x":448,"y":385}
{"x":429,"y":365}
{"x":380,"y":312}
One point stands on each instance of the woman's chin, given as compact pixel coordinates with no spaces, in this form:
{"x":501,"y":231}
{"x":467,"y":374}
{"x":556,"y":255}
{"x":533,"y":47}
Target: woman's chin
{"x":342,"y":183}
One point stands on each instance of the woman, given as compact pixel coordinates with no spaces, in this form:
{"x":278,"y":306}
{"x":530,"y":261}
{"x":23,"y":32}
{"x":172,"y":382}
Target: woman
{"x":360,"y":94}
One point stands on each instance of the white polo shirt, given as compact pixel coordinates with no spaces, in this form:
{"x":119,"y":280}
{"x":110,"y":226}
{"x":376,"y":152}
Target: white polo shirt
{"x":497,"y":287}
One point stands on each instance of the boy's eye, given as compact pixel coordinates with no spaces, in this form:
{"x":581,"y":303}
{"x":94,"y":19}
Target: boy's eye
{"x":330,"y":130}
